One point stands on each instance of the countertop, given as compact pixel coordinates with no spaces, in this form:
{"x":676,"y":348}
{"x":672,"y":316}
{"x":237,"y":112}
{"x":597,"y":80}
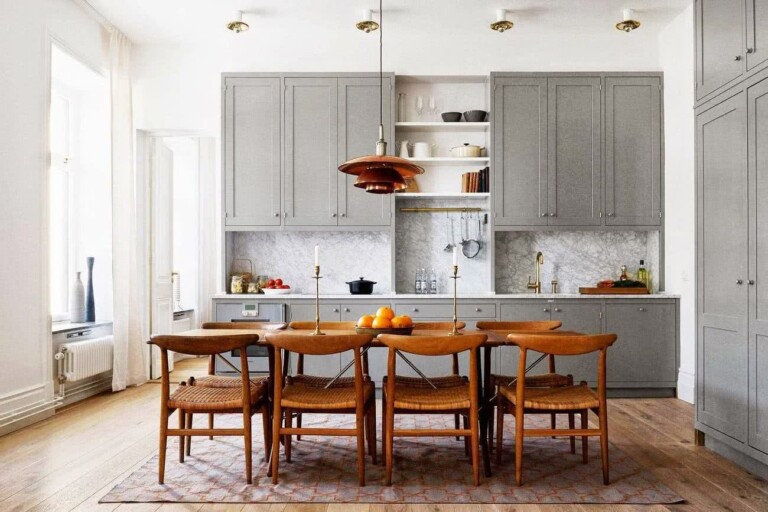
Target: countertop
{"x":442,"y":296}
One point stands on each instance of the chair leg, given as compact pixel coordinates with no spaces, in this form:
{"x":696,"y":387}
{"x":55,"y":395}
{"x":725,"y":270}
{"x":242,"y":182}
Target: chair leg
{"x":360,"y":427}
{"x":572,"y":425}
{"x":276,"y":421}
{"x":189,"y":438}
{"x":389,"y":441}
{"x":475,"y":440}
{"x":491,"y":420}
{"x":210,"y":424}
{"x":499,"y":430}
{"x":288,"y":424}
{"x":182,"y":418}
{"x":164,"y":414}
{"x":383,"y":427}
{"x":585,"y":439}
{"x":457,"y":425}
{"x":371,"y":430}
{"x":267,"y":427}
{"x":604,"y":443}
{"x":248,"y":447}
{"x":519,"y":421}
{"x":298,"y":425}
{"x":467,"y":439}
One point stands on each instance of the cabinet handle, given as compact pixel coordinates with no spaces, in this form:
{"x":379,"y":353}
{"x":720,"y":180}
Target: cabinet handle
{"x":641,"y":309}
{"x":277,"y":214}
{"x":546,"y":310}
{"x":552,"y":214}
{"x":751,"y":282}
{"x":557,"y":310}
{"x":737,"y":58}
{"x":544,"y":214}
{"x":739,"y":282}
{"x":750,"y":50}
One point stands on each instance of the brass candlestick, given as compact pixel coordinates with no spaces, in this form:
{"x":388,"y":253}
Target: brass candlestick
{"x":455,"y":331}
{"x":317,"y":279}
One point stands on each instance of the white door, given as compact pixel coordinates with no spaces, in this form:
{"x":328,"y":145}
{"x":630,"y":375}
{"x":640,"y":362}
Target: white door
{"x":161,"y":254}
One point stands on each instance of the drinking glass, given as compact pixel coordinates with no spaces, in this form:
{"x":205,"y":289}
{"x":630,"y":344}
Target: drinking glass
{"x":433,"y":107}
{"x":419,"y":105}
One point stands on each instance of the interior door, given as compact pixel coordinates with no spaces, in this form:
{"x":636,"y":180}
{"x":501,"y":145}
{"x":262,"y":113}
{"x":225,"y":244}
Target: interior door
{"x":757,"y":107}
{"x":719,"y":44}
{"x":520,"y":151}
{"x":632,"y":151}
{"x":311,"y":161}
{"x":573,"y":162}
{"x":161,"y":254}
{"x":722,"y":351}
{"x":358,"y":133}
{"x":757,"y":32}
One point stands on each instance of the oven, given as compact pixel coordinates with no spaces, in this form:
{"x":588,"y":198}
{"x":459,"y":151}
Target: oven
{"x":247,"y":311}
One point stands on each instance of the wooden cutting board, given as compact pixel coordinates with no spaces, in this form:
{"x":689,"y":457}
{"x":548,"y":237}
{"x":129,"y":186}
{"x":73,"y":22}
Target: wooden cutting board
{"x":613,"y":291}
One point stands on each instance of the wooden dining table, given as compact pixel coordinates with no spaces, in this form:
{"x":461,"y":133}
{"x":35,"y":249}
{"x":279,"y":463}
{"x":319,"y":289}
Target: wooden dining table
{"x":485,"y":393}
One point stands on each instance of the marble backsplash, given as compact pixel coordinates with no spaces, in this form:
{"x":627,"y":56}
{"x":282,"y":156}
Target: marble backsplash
{"x":575,"y":258}
{"x":344,"y":256}
{"x":421,"y":239}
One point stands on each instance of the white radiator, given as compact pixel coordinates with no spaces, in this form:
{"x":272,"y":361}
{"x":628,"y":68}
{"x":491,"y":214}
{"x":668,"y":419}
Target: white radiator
{"x":81,"y":359}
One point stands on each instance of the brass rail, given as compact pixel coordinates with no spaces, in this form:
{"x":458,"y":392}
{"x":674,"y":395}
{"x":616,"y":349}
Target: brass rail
{"x":437,"y":209}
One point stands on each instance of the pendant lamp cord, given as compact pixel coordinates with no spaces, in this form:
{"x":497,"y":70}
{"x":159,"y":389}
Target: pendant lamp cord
{"x":381,"y":68}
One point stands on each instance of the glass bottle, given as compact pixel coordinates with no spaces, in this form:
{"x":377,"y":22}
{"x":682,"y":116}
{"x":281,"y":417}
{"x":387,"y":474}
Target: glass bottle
{"x":424,"y":281}
{"x":623,"y":276}
{"x":401,"y":107}
{"x":417,"y":286}
{"x":642,"y":275}
{"x":433,"y":282}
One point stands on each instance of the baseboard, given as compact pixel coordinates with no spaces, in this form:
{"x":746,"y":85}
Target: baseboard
{"x":752,"y":465}
{"x":686,"y":386}
{"x":27,"y":415}
{"x":81,"y":390}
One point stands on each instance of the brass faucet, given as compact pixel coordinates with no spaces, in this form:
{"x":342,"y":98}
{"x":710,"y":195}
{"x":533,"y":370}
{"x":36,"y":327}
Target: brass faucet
{"x":536,"y":286}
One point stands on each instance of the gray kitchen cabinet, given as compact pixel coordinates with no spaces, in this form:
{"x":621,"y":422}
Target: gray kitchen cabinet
{"x":311,"y":151}
{"x":252,"y":126}
{"x":573,"y":151}
{"x":324,"y":366}
{"x":719,"y":44}
{"x":632,"y":151}
{"x":642,"y":328}
{"x":358,"y":131}
{"x":722,"y":267}
{"x":522,"y":311}
{"x":520,"y":151}
{"x":757,"y":114}
{"x":584,"y":317}
{"x":757,"y":32}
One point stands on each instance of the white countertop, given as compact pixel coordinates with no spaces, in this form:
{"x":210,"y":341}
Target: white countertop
{"x":442,"y":296}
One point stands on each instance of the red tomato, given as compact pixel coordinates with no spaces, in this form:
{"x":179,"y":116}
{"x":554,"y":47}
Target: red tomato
{"x":284,"y":287}
{"x":270,"y":283}
{"x":278,"y":281}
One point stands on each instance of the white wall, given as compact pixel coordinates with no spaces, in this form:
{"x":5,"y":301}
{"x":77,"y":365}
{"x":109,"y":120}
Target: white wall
{"x":25,"y":381}
{"x":677,"y":62}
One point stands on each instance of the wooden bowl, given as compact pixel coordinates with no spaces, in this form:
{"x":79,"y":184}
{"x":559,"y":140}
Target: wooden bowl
{"x":402,"y":331}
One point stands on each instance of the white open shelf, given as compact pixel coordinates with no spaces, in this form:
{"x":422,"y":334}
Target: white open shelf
{"x":450,"y":160}
{"x":442,"y":195}
{"x":441,"y":126}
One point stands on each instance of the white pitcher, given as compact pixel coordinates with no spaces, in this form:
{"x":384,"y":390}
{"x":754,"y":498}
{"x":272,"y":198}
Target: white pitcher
{"x":404,"y":149}
{"x":422,"y":149}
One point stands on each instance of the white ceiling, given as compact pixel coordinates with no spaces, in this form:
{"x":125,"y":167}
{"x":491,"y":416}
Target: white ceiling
{"x":200,"y":21}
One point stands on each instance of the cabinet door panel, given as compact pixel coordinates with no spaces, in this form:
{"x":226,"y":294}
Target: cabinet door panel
{"x":757,"y":32}
{"x":311,"y":161}
{"x":358,"y":133}
{"x":583,"y":317}
{"x":324,"y":366}
{"x":508,"y":356}
{"x":520,"y":151}
{"x":721,"y":168}
{"x":252,"y":151}
{"x":757,"y":112}
{"x":719,"y":43}
{"x":632,"y":151}
{"x":573,"y":178}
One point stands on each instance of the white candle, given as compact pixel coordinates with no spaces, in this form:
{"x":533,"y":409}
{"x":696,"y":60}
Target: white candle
{"x":455,"y":256}
{"x":317,"y":255}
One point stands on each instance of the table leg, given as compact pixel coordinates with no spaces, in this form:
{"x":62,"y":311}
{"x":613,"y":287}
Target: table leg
{"x":484,"y":409}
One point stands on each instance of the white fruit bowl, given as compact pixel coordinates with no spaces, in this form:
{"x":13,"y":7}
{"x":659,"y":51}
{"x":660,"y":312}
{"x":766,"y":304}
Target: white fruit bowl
{"x":276,"y":291}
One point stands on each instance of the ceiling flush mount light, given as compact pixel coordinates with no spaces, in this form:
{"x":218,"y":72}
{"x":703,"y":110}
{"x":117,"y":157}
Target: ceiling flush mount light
{"x":379,"y":173}
{"x":367,"y":25}
{"x":501,"y":24}
{"x":630,"y":23}
{"x":238,"y":25}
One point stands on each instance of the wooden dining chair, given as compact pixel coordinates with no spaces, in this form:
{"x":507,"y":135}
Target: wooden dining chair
{"x":305,"y":395}
{"x":549,"y":379}
{"x":420,"y":398}
{"x":247,"y":399}
{"x":579,"y":399}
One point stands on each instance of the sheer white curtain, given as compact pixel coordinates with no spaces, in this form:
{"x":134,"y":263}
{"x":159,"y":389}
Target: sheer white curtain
{"x":129,"y":258}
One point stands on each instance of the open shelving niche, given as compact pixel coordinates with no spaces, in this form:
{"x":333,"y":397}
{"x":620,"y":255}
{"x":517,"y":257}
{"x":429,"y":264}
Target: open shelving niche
{"x":440,"y":185}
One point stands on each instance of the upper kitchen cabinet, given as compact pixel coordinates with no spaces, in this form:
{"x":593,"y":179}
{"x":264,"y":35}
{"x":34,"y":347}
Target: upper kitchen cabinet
{"x":632,"y":151}
{"x":251,"y":151}
{"x":520,"y":151}
{"x":358,"y":131}
{"x":573,"y":151}
{"x":311,"y":152}
{"x":757,"y":32}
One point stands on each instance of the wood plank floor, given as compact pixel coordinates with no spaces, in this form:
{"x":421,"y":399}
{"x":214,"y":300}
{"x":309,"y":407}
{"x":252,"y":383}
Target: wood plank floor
{"x":69,"y":461}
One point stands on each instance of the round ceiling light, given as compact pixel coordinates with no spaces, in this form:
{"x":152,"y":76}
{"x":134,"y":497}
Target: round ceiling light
{"x":630,"y":23}
{"x":238,"y":25}
{"x":501,"y":24}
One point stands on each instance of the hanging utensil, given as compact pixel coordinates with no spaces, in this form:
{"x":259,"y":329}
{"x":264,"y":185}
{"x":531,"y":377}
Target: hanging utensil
{"x":470,"y":247}
{"x":450,"y":245}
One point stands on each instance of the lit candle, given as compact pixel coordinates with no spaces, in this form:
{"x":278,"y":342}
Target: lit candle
{"x":317,"y":255}
{"x":455,"y":256}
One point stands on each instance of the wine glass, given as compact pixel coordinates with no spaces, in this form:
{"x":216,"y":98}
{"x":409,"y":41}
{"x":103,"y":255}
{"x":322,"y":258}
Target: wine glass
{"x":419,"y":105}
{"x":433,"y":107}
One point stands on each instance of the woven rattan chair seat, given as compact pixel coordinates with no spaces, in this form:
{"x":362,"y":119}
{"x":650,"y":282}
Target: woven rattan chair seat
{"x":202,"y":399}
{"x":422,"y":397}
{"x":300,"y":395}
{"x":544,"y":380}
{"x":449,"y":381}
{"x":221,"y":381}
{"x":321,"y":382}
{"x":554,"y":399}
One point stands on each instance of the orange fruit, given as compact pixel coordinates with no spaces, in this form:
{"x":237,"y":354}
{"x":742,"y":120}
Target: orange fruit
{"x":386,"y":312}
{"x":381,"y":322}
{"x":407,"y":321}
{"x":400,"y":321}
{"x":365,"y":321}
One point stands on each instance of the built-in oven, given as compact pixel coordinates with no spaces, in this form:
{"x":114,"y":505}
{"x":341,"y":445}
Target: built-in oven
{"x":247,"y":311}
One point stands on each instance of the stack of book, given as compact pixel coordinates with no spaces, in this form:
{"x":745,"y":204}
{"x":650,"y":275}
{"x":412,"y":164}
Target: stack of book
{"x":476,"y":181}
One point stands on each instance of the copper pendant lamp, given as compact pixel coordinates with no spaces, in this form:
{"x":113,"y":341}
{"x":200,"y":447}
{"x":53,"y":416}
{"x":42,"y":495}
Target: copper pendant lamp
{"x":379,"y":173}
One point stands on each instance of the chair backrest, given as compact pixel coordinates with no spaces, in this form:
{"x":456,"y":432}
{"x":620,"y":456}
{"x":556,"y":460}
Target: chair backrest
{"x":265,"y":326}
{"x":433,"y":345}
{"x":318,"y":345}
{"x":203,"y":345}
{"x":329,"y":326}
{"x":543,"y":325}
{"x":562,"y":344}
{"x":437,"y":326}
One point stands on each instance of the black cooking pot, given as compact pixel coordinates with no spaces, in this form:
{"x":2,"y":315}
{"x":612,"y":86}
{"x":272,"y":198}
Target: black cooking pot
{"x":361,"y":287}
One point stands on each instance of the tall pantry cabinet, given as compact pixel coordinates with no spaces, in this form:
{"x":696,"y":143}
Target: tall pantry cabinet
{"x":732,"y":241}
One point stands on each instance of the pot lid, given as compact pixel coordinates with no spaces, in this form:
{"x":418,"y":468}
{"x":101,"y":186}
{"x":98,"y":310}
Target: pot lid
{"x":468,"y":145}
{"x":362,"y":280}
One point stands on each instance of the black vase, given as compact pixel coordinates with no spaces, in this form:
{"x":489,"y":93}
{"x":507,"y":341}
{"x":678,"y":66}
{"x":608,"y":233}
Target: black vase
{"x":90,"y":306}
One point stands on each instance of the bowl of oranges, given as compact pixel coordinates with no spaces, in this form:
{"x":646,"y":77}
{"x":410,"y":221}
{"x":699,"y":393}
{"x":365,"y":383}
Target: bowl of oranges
{"x":384,"y":322}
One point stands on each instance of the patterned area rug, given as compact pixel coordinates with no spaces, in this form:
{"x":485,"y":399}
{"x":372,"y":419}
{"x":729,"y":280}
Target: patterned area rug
{"x":426,"y":470}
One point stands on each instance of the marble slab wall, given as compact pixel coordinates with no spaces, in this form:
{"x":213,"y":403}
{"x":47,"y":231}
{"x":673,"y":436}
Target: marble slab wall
{"x":422,"y":237}
{"x":290,"y":255}
{"x":575,"y":258}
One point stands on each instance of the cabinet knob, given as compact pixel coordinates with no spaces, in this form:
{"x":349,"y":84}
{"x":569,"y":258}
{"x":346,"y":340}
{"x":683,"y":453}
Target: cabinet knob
{"x":737,"y":58}
{"x":552,"y":214}
{"x":751,"y":282}
{"x":610,"y":214}
{"x":346,"y":310}
{"x":478,"y":310}
{"x":277,"y":214}
{"x":641,"y":309}
{"x":750,"y":50}
{"x":544,"y":214}
{"x":546,"y":310}
{"x":335,"y":310}
{"x":557,"y":310}
{"x":739,"y":281}
{"x":415,"y":310}
{"x":333,"y":214}
{"x":343,"y":214}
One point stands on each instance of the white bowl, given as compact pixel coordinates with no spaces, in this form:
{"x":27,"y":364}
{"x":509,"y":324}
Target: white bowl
{"x":276,"y":291}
